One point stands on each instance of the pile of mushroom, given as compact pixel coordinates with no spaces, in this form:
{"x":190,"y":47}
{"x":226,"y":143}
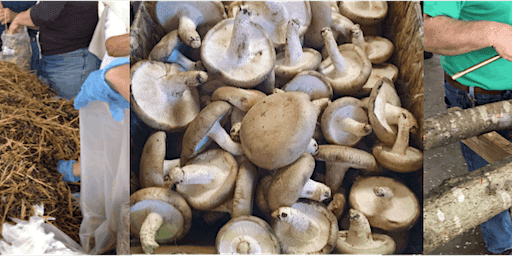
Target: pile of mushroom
{"x":266,"y":99}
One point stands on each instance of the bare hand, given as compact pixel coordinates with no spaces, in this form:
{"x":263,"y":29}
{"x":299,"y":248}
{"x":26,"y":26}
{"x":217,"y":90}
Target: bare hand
{"x":6,"y":15}
{"x":14,"y":28}
{"x":503,"y":42}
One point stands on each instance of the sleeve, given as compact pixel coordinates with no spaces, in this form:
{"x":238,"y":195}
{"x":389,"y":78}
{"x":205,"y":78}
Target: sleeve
{"x":447,"y":8}
{"x":46,"y":12}
{"x":114,"y":26}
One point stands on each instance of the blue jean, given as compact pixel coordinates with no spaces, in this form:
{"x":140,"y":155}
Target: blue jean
{"x":34,"y":61}
{"x":67,"y":72}
{"x":497,"y":232}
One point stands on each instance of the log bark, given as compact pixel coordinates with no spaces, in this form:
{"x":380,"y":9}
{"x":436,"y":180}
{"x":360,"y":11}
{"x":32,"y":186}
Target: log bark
{"x":465,"y":201}
{"x":462,"y":124}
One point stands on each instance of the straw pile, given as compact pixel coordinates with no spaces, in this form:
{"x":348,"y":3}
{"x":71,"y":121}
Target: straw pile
{"x":36,"y":130}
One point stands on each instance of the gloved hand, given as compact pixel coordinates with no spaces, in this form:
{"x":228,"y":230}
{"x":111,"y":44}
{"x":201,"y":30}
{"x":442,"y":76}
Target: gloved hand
{"x":66,"y":168}
{"x":96,"y":88}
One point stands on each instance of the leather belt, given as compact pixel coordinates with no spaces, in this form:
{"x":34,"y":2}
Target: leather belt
{"x":462,"y":87}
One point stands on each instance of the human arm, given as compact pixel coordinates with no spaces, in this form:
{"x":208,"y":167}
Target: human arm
{"x":22,"y":19}
{"x":447,"y":36}
{"x":118,"y":78}
{"x":118,"y":46}
{"x":6,"y":15}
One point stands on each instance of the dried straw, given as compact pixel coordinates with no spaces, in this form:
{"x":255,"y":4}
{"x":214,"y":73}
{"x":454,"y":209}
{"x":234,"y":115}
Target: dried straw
{"x":36,"y":130}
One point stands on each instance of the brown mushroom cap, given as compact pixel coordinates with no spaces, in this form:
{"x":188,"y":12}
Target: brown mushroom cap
{"x":378,"y":49}
{"x":411,"y":161}
{"x":323,"y":243}
{"x":252,"y":69}
{"x":241,"y":98}
{"x":170,"y":205}
{"x":278,"y":129}
{"x":379,"y":71}
{"x":364,"y":12}
{"x":203,"y":197}
{"x":164,"y":98}
{"x":247,"y":235}
{"x":385,"y":90}
{"x":336,"y":131}
{"x":319,"y":20}
{"x":310,"y":61}
{"x":311,"y":82}
{"x":195,"y":139}
{"x":244,"y":189}
{"x":262,"y":193}
{"x":395,"y":211}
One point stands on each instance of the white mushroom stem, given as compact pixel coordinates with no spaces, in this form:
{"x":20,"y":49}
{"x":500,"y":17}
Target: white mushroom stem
{"x":402,"y":138}
{"x":293,"y":49}
{"x":219,"y":135}
{"x":312,"y":147}
{"x":355,"y":127}
{"x":357,"y":36}
{"x":169,"y":165}
{"x":245,"y":244}
{"x":302,"y":227}
{"x":332,"y":48}
{"x":379,"y":109}
{"x":237,"y":115}
{"x":334,"y":174}
{"x":384,"y":198}
{"x":239,"y":43}
{"x":182,"y":60}
{"x":315,"y":190}
{"x":359,"y":234}
{"x":189,"y":78}
{"x":148,"y":232}
{"x":278,"y":11}
{"x":195,"y":174}
{"x":392,"y":113}
{"x":337,"y":204}
{"x":277,"y":90}
{"x":189,"y":19}
{"x":320,"y":105}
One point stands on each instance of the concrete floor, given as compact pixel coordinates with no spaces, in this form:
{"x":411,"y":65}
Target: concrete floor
{"x":445,"y":162}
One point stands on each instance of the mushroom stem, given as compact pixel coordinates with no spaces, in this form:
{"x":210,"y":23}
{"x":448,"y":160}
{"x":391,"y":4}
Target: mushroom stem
{"x":402,"y":138}
{"x":379,"y":109}
{"x":219,"y":135}
{"x":195,"y":174}
{"x":392,"y":113}
{"x":245,"y":244}
{"x":357,"y":37}
{"x":238,"y":45}
{"x":355,"y":127}
{"x":293,"y":49}
{"x":359,"y":233}
{"x":236,"y":123}
{"x":315,"y":190}
{"x":182,"y":60}
{"x":148,"y":232}
{"x":189,"y":78}
{"x":334,"y":174}
{"x":279,"y":13}
{"x":332,"y":48}
{"x":169,"y":165}
{"x":301,"y":226}
{"x":384,"y":198}
{"x":312,"y":147}
{"x":337,"y":205}
{"x":187,"y":28}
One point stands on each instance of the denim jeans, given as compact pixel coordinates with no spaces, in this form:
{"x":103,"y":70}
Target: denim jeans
{"x":497,"y":232}
{"x":34,"y":61}
{"x":67,"y":72}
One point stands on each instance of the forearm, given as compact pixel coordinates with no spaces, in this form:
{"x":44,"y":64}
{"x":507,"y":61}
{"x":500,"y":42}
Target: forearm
{"x":118,"y":79}
{"x":447,"y":36}
{"x":118,"y":46}
{"x":23,"y":19}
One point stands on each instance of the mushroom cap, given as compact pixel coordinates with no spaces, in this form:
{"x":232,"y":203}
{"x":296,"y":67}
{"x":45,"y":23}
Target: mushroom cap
{"x":288,"y":182}
{"x":379,"y":71}
{"x":378,"y":49}
{"x":277,"y":130}
{"x":244,"y":188}
{"x":310,"y":61}
{"x":311,"y":82}
{"x":356,"y":158}
{"x":163,"y":49}
{"x":152,"y":161}
{"x":173,"y":209}
{"x":299,"y":10}
{"x":202,"y":197}
{"x":160,"y":100}
{"x":250,"y":73}
{"x":250,"y":229}
{"x":167,"y":13}
{"x":357,"y":73}
{"x":361,"y":13}
{"x":262,"y":193}
{"x":243,"y":99}
{"x":195,"y":139}
{"x":319,"y":20}
{"x":322,"y":244}
{"x":334,"y":113}
{"x":403,"y":211}
{"x":410,"y":162}
{"x":384,"y":89}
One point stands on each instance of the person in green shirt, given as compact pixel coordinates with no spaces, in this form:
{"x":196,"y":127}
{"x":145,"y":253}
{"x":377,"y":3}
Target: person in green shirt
{"x":465,"y":34}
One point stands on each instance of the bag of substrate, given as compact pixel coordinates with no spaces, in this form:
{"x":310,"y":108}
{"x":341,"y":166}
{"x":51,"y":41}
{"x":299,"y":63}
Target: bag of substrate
{"x":16,"y":48}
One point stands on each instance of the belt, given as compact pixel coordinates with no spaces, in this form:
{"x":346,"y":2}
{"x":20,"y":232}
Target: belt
{"x":462,"y":87}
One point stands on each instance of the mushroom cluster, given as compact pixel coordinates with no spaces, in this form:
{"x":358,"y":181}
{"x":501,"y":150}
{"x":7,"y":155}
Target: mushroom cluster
{"x":273,"y":103}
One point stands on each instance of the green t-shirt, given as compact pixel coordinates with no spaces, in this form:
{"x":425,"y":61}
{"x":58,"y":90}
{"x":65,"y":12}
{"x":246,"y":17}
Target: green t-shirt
{"x":494,"y":76}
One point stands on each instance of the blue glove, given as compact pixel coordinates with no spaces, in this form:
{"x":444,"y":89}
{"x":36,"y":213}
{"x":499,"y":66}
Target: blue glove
{"x":95,"y":88}
{"x":66,"y":168}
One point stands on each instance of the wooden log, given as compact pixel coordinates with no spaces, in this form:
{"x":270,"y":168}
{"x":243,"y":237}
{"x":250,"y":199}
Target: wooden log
{"x":465,"y":201}
{"x":462,"y":124}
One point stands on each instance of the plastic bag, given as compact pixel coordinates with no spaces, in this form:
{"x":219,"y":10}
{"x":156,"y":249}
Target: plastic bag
{"x":16,"y":49}
{"x":36,"y":237}
{"x":105,"y":173}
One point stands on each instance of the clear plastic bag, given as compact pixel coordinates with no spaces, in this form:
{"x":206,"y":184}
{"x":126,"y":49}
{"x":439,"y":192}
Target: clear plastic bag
{"x":16,"y":49}
{"x":36,"y":237}
{"x":105,"y":174}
